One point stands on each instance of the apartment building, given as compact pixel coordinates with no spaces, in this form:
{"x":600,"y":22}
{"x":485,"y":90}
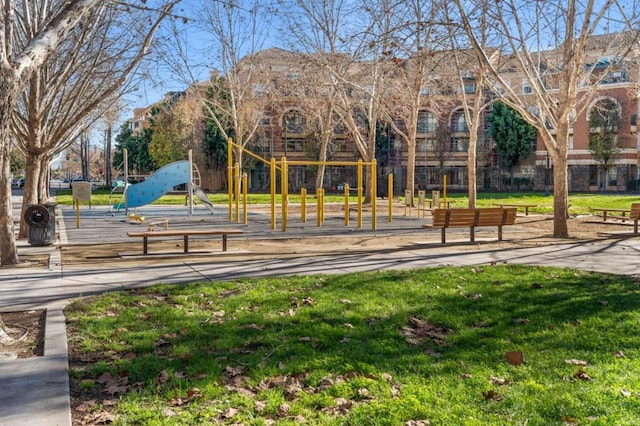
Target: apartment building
{"x":290,"y":96}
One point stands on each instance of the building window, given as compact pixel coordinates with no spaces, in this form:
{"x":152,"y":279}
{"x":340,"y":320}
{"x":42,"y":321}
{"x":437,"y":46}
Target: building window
{"x":526,"y":87}
{"x":293,"y":122}
{"x":259,"y":90}
{"x":604,"y":116}
{"x":294,"y":145}
{"x":341,"y":145}
{"x":459,"y":123}
{"x":265,"y":120}
{"x":459,"y":144}
{"x":470,"y":88}
{"x":427,"y":122}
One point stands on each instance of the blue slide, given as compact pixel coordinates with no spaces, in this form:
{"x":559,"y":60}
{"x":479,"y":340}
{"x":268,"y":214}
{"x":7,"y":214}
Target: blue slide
{"x":158,"y":184}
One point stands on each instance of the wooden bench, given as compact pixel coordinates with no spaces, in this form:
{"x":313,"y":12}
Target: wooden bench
{"x":526,"y":207}
{"x":606,"y":212}
{"x":185,"y":233}
{"x":472,"y":218}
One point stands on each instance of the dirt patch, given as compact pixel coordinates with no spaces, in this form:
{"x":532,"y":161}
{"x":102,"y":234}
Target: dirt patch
{"x":25,"y":330}
{"x":529,"y":230}
{"x":30,"y":261}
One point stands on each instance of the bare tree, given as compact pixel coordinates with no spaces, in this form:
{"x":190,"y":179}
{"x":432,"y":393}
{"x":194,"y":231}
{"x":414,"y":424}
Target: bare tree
{"x":473,"y":89}
{"x":17,"y":63}
{"x":351,"y":44}
{"x":78,"y":84}
{"x":552,"y":46}
{"x":318,"y":31}
{"x":416,"y":37}
{"x":235,"y":97}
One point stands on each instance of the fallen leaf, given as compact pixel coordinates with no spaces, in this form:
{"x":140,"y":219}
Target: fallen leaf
{"x":117,"y":390}
{"x":619,"y":354}
{"x":499,"y":381}
{"x":85,"y":406}
{"x":625,"y":392}
{"x":163,"y":377}
{"x":491,"y":394}
{"x":283,"y":409}
{"x":582,"y":375}
{"x":521,"y":321}
{"x":364,"y":392}
{"x":515,"y":357}
{"x":254,"y":326}
{"x":576,"y":362}
{"x":104,"y":378}
{"x":570,"y":420}
{"x":168,"y":412}
{"x":466,"y":375}
{"x":229,"y":413}
{"x":603,"y":302}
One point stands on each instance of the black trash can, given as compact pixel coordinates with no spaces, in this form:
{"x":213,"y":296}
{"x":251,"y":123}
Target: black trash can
{"x":41,"y":219}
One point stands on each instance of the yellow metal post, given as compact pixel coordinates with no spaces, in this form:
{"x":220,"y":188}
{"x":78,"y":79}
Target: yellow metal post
{"x":318,"y":207}
{"x":244,"y":198}
{"x":284,"y":171}
{"x":346,"y":205}
{"x":321,"y":205}
{"x":230,"y":176}
{"x":236,"y":180}
{"x":303,"y":205}
{"x":390,"y":195}
{"x":360,"y":194}
{"x":273,"y":193}
{"x":444,"y":180}
{"x":77,"y":212}
{"x":374,"y":193}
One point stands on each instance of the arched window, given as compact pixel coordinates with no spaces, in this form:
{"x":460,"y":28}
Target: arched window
{"x":427,"y":122}
{"x":605,"y":114}
{"x":458,"y":122}
{"x":293,"y":122}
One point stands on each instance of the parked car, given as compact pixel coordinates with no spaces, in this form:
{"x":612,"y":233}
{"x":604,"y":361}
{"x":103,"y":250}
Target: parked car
{"x":21,"y":183}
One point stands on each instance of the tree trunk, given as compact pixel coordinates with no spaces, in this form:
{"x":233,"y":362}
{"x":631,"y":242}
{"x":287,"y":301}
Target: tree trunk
{"x":368,"y":175}
{"x":30,"y":193}
{"x":8,"y":248}
{"x":8,"y":94}
{"x":560,"y":182}
{"x":411,"y":169}
{"x":322,"y":156}
{"x":471,"y":167}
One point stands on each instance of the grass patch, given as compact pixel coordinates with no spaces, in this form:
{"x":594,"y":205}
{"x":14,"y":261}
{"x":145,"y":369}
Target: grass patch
{"x":578,"y":203}
{"x":401,"y":347}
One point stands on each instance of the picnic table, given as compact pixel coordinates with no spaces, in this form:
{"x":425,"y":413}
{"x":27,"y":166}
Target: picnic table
{"x":614,"y":213}
{"x":517,"y":206}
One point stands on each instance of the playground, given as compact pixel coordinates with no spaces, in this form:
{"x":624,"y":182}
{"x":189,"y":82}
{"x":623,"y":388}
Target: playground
{"x":103,"y":234}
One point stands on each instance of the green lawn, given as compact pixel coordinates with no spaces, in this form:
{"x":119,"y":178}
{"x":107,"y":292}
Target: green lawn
{"x":390,"y":348}
{"x":579,"y":203}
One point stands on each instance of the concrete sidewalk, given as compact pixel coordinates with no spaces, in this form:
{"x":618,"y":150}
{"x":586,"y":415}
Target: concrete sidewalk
{"x":35,"y":391}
